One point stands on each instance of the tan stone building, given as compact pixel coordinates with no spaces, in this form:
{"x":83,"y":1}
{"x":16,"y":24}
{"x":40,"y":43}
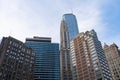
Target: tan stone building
{"x":113,"y":56}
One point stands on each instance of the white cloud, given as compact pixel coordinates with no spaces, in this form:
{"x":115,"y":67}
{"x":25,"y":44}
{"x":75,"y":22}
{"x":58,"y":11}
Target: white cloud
{"x":22,"y":19}
{"x":19,"y":20}
{"x":90,"y":16}
{"x":113,"y":39}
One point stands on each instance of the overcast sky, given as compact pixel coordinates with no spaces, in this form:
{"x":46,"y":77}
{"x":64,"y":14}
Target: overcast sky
{"x":28,"y":18}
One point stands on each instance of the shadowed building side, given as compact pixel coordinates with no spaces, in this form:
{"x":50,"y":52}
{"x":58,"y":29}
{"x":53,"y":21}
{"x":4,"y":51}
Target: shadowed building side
{"x":66,"y":73}
{"x":16,"y":60}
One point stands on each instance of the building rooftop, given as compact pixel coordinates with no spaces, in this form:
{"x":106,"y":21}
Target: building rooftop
{"x":39,"y":39}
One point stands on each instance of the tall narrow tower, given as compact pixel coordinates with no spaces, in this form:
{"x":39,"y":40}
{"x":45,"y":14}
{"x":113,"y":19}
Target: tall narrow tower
{"x":68,"y":30}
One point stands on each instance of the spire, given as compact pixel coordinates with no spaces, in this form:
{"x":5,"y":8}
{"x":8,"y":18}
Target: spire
{"x":105,"y":45}
{"x":72,"y":11}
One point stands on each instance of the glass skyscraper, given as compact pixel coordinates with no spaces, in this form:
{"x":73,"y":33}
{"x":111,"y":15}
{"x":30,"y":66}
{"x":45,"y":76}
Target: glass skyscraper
{"x":71,"y":23}
{"x":68,"y":30}
{"x":47,"y":65}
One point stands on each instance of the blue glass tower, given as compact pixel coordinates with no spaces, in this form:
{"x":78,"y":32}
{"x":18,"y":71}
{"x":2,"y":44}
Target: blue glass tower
{"x":68,"y":30}
{"x":47,"y":65}
{"x":71,"y":23}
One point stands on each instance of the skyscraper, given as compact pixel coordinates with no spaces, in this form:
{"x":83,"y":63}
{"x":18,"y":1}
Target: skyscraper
{"x":71,"y":24}
{"x":68,"y":30}
{"x":47,"y":65}
{"x":113,"y":56}
{"x":16,"y":60}
{"x":88,"y":57}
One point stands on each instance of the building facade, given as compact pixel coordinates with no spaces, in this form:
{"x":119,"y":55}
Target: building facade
{"x":73,"y":61}
{"x":16,"y":60}
{"x":113,"y":56}
{"x":47,"y":65}
{"x":88,"y":57}
{"x":68,"y":30}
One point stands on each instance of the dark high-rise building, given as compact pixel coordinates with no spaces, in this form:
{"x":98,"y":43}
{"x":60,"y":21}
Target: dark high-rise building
{"x":68,"y":30}
{"x":113,"y":56}
{"x":47,"y":58}
{"x":16,"y":60}
{"x":88,"y":57}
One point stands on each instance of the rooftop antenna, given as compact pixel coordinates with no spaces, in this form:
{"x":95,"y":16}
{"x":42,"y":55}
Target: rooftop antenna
{"x":10,"y":33}
{"x":72,"y":11}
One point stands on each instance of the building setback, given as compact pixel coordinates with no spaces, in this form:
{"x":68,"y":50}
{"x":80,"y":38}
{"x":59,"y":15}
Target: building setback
{"x":88,"y":57}
{"x":113,"y":56}
{"x":16,"y":60}
{"x":68,"y":30}
{"x":47,"y":58}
